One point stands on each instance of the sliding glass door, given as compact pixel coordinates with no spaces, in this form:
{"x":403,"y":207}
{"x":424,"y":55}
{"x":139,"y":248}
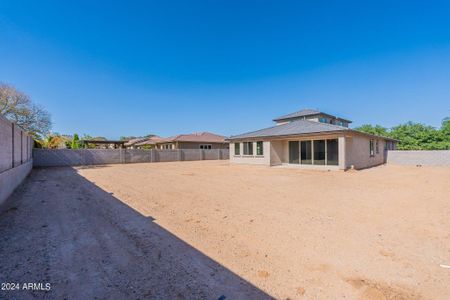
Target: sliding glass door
{"x":294,"y":152}
{"x":306,"y":153}
{"x":332,"y":152}
{"x":319,"y":152}
{"x":314,"y":152}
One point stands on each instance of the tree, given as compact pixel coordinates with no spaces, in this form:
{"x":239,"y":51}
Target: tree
{"x":416,"y":136}
{"x":18,"y":108}
{"x":75,"y":142}
{"x":376,"y":130}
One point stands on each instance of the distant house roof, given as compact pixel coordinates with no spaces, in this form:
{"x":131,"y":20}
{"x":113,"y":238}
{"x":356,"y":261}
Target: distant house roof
{"x":135,"y":141}
{"x":199,"y":137}
{"x":306,"y":112}
{"x":150,"y":141}
{"x":298,"y":127}
{"x":103,"y":142}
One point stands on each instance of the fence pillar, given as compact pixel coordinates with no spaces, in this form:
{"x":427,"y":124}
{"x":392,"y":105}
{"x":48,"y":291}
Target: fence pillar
{"x":218,"y":154}
{"x":21,"y":147}
{"x":202,"y":155}
{"x":180,"y":155}
{"x":121,"y":155}
{"x":12,"y":148}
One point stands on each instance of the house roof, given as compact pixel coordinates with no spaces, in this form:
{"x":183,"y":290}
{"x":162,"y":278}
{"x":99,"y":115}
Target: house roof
{"x":298,"y":127}
{"x":291,"y":128}
{"x":135,"y":141}
{"x":150,"y":141}
{"x":201,"y":137}
{"x":307,"y":112}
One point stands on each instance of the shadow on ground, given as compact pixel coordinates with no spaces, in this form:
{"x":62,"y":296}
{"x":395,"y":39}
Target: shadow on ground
{"x":62,"y":229}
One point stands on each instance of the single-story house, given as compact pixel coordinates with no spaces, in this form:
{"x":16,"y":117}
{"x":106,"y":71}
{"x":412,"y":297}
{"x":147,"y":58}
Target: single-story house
{"x":149,"y":142}
{"x":310,"y":139}
{"x":133,"y":143}
{"x":199,"y":140}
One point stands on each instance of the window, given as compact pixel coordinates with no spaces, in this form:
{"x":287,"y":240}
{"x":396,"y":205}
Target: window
{"x":319,"y":152}
{"x":371,"y":151}
{"x":248,"y":148}
{"x":305,"y":153}
{"x":259,"y":148}
{"x":332,"y":152}
{"x":323,"y":120}
{"x":237,"y":148}
{"x":206,"y":146}
{"x":377,"y":147}
{"x":293,"y":152}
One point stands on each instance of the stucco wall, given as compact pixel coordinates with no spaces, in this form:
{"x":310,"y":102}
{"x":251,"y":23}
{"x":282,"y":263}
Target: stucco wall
{"x":276,"y":153}
{"x":358,"y":152}
{"x":251,"y":159}
{"x":414,"y":158}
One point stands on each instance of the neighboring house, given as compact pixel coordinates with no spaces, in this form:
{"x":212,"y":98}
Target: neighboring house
{"x":132,"y":144}
{"x":149,"y":143}
{"x":310,"y":139}
{"x":199,"y":140}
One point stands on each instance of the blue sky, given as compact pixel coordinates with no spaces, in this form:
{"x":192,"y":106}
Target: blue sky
{"x":166,"y":67}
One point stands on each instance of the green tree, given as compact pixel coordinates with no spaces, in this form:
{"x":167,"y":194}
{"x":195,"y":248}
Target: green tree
{"x":416,"y":136}
{"x":75,"y":142}
{"x":376,"y":130}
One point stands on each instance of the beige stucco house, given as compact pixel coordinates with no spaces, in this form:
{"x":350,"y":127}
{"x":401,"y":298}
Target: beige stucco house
{"x":198,"y":140}
{"x":310,"y":139}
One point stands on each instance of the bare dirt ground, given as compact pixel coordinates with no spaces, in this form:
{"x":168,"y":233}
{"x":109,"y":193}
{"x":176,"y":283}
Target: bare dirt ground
{"x":202,"y":230}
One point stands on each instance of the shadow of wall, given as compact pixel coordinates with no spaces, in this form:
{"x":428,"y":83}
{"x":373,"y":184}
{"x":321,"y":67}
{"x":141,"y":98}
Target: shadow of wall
{"x":60,"y":228}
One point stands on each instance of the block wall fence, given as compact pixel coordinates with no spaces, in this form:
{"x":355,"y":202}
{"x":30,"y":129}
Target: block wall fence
{"x":79,"y":157}
{"x":16,"y":148}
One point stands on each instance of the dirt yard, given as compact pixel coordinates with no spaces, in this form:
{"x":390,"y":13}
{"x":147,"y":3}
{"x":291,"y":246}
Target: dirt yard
{"x":209,"y":230}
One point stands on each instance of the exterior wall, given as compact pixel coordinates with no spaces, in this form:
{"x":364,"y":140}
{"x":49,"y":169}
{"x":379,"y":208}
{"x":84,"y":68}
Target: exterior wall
{"x":276,"y":153}
{"x":12,"y":178}
{"x":69,"y":157}
{"x":6,"y":152}
{"x":15,"y":157}
{"x":353,"y":152}
{"x":358,"y":152}
{"x":251,"y":159}
{"x":192,"y":145}
{"x":422,"y":157}
{"x":17,"y":146}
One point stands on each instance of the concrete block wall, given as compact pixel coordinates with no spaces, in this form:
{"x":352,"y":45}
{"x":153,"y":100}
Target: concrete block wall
{"x":15,"y":157}
{"x":5,"y":145}
{"x":67,"y":157}
{"x":422,"y":157}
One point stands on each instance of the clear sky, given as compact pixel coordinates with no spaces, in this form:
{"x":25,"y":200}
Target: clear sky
{"x":114,"y":68}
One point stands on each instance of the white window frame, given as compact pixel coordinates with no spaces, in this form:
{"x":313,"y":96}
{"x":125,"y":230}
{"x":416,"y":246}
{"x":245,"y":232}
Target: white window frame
{"x":371,"y":148}
{"x":243,"y":152}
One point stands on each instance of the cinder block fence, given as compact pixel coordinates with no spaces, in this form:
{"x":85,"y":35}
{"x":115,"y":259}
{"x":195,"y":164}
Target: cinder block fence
{"x":419,"y":157}
{"x":15,"y":157}
{"x":79,"y":157}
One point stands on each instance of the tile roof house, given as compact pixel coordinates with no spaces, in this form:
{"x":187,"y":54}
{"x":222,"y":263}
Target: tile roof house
{"x":311,"y":139}
{"x":198,"y":140}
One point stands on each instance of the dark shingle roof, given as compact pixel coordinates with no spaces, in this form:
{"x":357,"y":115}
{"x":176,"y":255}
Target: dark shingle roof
{"x":292,"y":128}
{"x":301,"y":113}
{"x":306,"y":112}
